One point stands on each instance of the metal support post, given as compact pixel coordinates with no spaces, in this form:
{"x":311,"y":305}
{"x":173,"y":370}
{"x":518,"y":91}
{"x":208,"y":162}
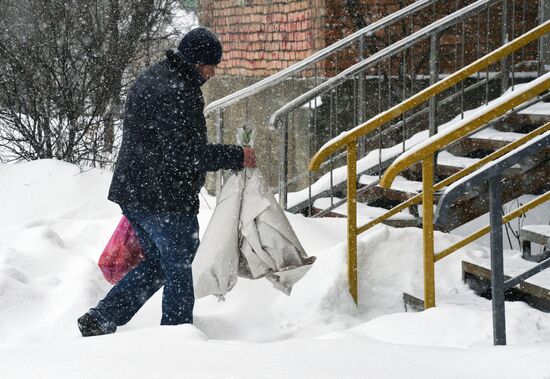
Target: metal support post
{"x":219,"y":139}
{"x":544,"y":42}
{"x":283,"y":163}
{"x":497,"y":264}
{"x":504,"y":62}
{"x":352,"y":219}
{"x":434,"y":78}
{"x":428,"y":231}
{"x":361,"y":96}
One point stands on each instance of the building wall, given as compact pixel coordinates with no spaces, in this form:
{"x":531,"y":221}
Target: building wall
{"x":339,"y":24}
{"x":261,"y":37}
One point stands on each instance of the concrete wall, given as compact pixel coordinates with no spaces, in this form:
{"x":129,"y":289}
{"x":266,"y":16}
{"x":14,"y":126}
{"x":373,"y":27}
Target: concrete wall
{"x":255,"y":113}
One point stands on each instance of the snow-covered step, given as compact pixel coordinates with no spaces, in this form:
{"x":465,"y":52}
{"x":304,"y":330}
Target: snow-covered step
{"x":533,"y":291}
{"x":539,"y":234}
{"x":365,"y":213}
{"x":541,"y":109}
{"x":514,"y":264}
{"x":527,"y":119}
{"x":497,"y":135}
{"x":466,"y":152}
{"x":448,"y":164}
{"x":445,"y":158}
{"x":536,"y":233}
{"x":373,"y":163}
{"x":412,"y":303}
{"x":484,"y":142}
{"x":400,"y":183}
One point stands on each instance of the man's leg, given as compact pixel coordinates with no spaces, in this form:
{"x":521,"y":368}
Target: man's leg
{"x":177,"y":239}
{"x":128,"y":296}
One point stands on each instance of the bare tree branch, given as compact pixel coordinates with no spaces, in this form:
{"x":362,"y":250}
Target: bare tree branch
{"x":64,"y":72}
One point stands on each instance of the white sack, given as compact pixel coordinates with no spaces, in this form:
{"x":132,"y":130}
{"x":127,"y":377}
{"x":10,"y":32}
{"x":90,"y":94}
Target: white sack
{"x":248,"y":236}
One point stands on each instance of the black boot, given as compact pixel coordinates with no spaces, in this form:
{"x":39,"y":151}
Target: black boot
{"x":89,"y":326}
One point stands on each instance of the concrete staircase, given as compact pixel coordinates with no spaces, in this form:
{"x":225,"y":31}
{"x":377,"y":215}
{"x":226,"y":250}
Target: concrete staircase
{"x":375,"y":200}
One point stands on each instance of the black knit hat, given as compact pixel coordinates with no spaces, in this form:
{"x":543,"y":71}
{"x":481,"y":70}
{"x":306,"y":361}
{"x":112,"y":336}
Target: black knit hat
{"x":200,"y":45}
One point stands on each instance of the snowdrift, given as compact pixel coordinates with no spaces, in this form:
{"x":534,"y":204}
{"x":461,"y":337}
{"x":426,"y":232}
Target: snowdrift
{"x":55,"y":220}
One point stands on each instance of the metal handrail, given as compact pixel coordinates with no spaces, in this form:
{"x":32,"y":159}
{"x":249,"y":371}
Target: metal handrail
{"x":280,"y":118}
{"x":467,"y":126}
{"x":320,"y":55}
{"x":425,"y":154}
{"x":424,"y":95}
{"x":492,"y":174}
{"x":514,"y":157}
{"x":350,"y":139}
{"x":481,"y":232}
{"x":499,"y":330}
{"x":397,"y":47}
{"x":299,"y":206}
{"x":451,"y":179}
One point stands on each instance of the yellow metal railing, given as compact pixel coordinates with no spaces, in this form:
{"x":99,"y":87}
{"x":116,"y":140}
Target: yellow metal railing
{"x":459,"y":175}
{"x":349,"y":140}
{"x":426,"y":156}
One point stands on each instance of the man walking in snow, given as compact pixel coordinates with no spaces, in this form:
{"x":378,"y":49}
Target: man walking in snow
{"x":160,"y":170}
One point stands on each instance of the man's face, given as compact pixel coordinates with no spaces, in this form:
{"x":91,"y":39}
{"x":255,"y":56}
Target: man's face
{"x":207,"y":70}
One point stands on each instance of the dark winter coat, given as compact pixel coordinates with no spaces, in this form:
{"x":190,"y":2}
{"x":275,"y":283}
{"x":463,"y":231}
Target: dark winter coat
{"x":164,"y":154}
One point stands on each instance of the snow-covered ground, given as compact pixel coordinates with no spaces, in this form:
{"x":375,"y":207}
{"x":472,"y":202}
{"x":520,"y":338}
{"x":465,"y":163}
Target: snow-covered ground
{"x":55,"y":221}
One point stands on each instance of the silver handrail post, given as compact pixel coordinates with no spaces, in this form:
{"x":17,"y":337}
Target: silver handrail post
{"x":544,"y":42}
{"x":219,"y":139}
{"x":283,"y":163}
{"x":434,"y":78}
{"x":361,"y":96}
{"x":504,"y":63}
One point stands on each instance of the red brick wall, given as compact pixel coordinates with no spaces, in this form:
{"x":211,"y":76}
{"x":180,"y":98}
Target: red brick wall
{"x":339,"y":24}
{"x":261,"y":37}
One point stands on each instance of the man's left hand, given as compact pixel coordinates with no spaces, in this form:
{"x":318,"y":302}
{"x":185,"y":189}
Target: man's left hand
{"x":249,"y":157}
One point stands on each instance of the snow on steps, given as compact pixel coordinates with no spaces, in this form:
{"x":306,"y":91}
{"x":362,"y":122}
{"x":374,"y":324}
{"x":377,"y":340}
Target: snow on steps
{"x":539,"y":234}
{"x":370,"y":164}
{"x":472,"y":206}
{"x":542,"y":233}
{"x":534,"y":291}
{"x":366,"y":213}
{"x":402,"y":189}
{"x":487,"y":140}
{"x":400,"y":183}
{"x":538,"y":109}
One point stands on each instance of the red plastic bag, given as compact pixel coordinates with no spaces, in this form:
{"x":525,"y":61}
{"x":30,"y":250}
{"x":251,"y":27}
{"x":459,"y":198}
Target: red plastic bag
{"x":122,"y":253}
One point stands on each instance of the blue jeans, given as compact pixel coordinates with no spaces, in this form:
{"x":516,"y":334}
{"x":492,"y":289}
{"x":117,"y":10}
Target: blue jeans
{"x":170,"y":241}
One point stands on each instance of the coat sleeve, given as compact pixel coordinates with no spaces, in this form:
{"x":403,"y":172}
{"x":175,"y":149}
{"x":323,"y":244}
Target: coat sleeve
{"x":219,"y":156}
{"x":183,"y":138}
